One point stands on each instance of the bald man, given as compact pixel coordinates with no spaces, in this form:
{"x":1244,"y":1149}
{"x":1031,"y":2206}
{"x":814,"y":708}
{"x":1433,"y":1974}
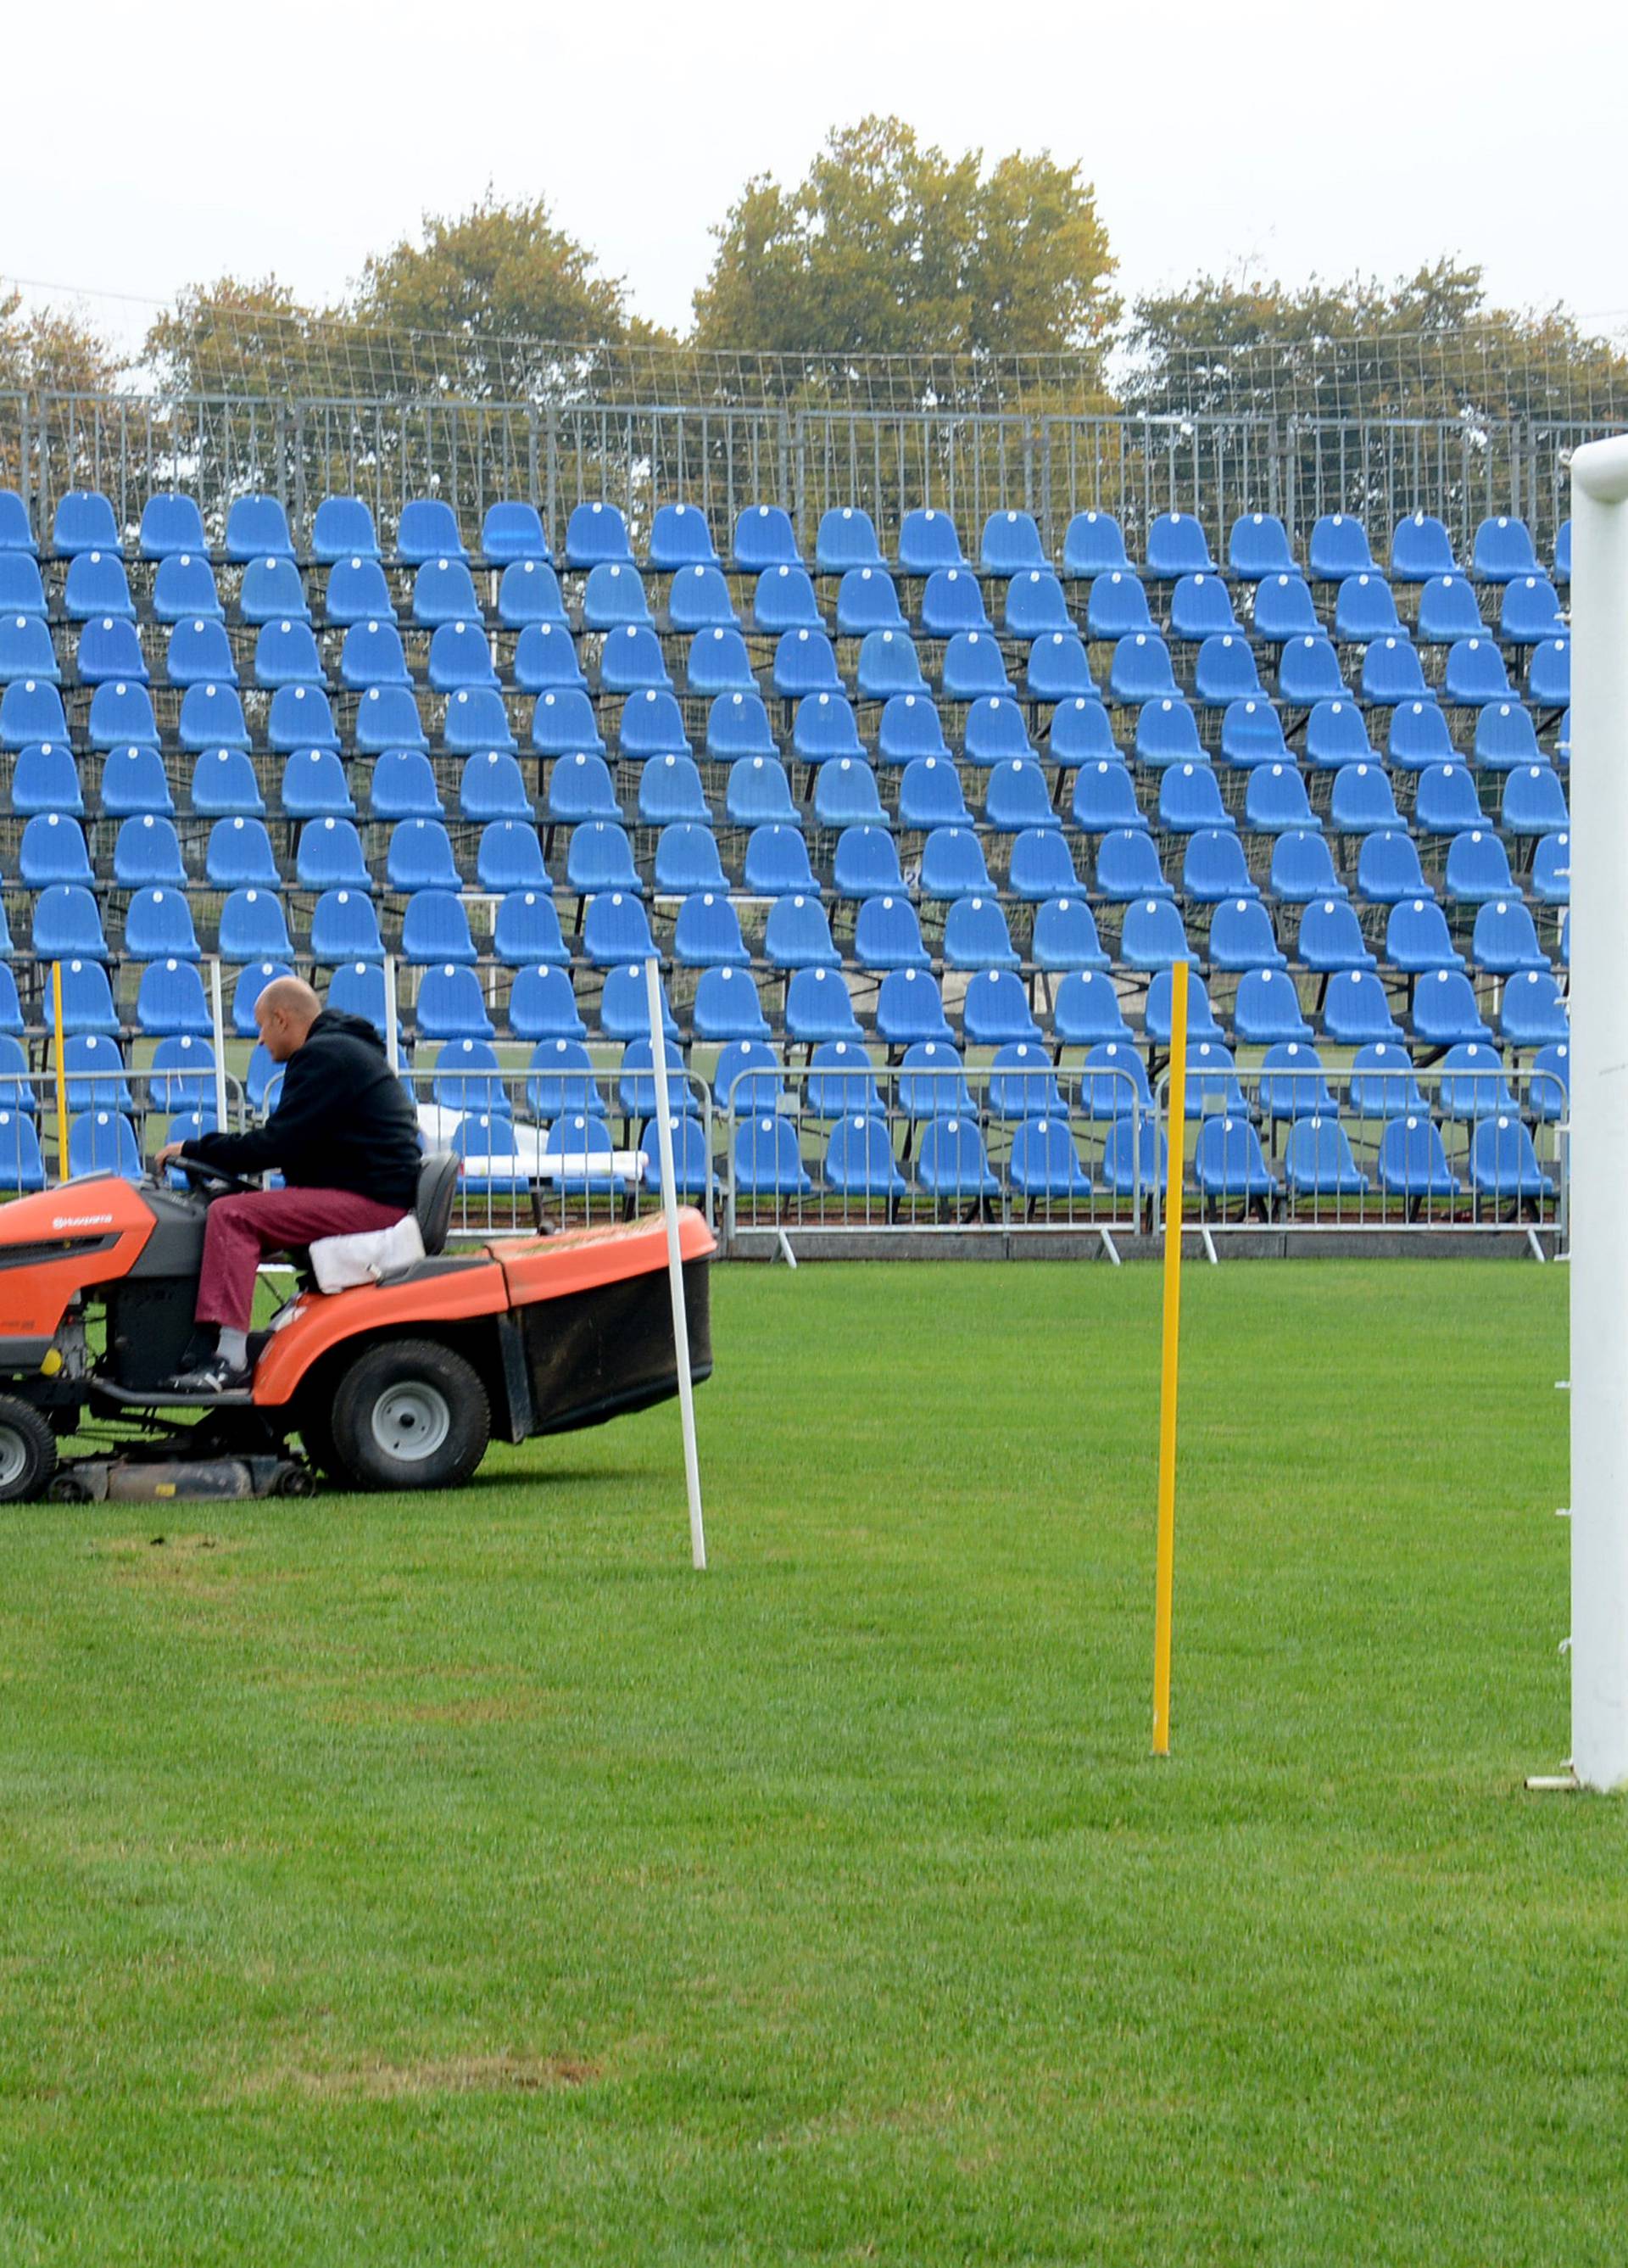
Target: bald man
{"x":346,"y":1137}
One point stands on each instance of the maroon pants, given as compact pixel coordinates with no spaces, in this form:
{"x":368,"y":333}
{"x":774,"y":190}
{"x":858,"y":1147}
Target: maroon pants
{"x":239,"y":1230}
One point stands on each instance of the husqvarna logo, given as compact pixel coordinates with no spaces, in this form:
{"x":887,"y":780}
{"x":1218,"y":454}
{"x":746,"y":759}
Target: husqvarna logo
{"x":82,"y":1220}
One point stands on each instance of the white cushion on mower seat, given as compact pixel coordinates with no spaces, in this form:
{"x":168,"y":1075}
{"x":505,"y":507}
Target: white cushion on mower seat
{"x":338,"y":1262}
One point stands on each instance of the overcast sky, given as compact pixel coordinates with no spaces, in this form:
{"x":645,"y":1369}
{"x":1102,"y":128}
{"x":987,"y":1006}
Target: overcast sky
{"x":169,"y":147}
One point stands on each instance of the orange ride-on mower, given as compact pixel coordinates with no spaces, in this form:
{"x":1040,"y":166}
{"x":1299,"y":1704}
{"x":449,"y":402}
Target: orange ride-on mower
{"x":397,"y":1384}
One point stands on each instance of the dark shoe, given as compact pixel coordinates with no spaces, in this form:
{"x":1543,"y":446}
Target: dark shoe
{"x":215,"y":1376}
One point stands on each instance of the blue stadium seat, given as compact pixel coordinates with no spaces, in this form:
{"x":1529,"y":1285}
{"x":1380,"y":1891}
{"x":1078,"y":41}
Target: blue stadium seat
{"x":1086,"y":1010}
{"x":314,"y":786}
{"x":726,"y":1006}
{"x":443,"y":590}
{"x":16,"y":531}
{"x":932,"y":1083}
{"x":1355,"y":1011}
{"x":1258,"y":546}
{"x":17,"y":1090}
{"x":995,"y":733}
{"x":804,"y":663}
{"x":1361,"y":801}
{"x":669,"y":789}
{"x":1011,"y":544}
{"x":253,"y":926}
{"x":157,"y":926}
{"x":927,"y":541}
{"x":1551,"y":869}
{"x":972,"y":668}
{"x":562,"y":724}
{"x":1317,"y":1160}
{"x":758,"y":794}
{"x":256,"y":526}
{"x":692,"y":1161}
{"x":170,"y":522}
{"x":1448,"y":610}
{"x":44,"y":779}
{"x":1417,"y":939}
{"x":490,"y":788}
{"x":21,"y":591}
{"x":1419,"y":548}
{"x":270,"y":588}
{"x":698,"y":599}
{"x":845,"y":796}
{"x":546,"y":659}
{"x":1189,"y":798}
{"x":252,"y":981}
{"x":435,"y":928}
{"x":1504,"y":737}
{"x":96,"y":584}
{"x":87,"y":1001}
{"x":1419,"y":737}
{"x":1388,"y":869}
{"x":1214,"y":867}
{"x":1531,"y":612}
{"x":824,"y":730}
{"x":776,"y":862}
{"x":841,"y":1083}
{"x":888,"y":665}
{"x":1563,"y":552}
{"x":183,"y":1063}
{"x":402,"y":786}
{"x":580,"y":791}
{"x":1064,"y":935}
{"x":344,"y":927}
{"x":1446,"y":802}
{"x":104,"y":1142}
{"x":1041,"y":866}
{"x":767,"y":1159}
{"x":302,"y":718}
{"x":1381,"y":1084}
{"x":1475,"y":674}
{"x":1241,"y":937}
{"x":1391,"y":674}
{"x":1275,"y":801}
{"x":1330,"y":938}
{"x":1022,"y":1084}
{"x":1133,"y":1160}
{"x":528,"y":593}
{"x":52,"y":849}
{"x":615,"y":928}
{"x":1127,"y":867}
{"x":887,"y":935}
{"x":1118,"y":607}
{"x":866,"y":601}
{"x":1225,"y":672}
{"x":1548,"y":1090}
{"x":285,"y":653}
{"x":1337,"y":737}
{"x":953,"y":601}
{"x":1445,"y":1009}
{"x":458,"y":656}
{"x":1176,"y":546}
{"x":1472,"y":1082}
{"x":1503,"y":550}
{"x":133,"y":781}
{"x":1535,"y":801}
{"x":783,"y":600}
{"x":1283,"y":610}
{"x":746,"y":1079}
{"x":1308,"y":671}
{"x":1339,"y":546}
{"x":1104,"y":799}
{"x":1532,"y":1014}
{"x":371,"y":655}
{"x":329,"y":857}
{"x":1158,"y":1007}
{"x":1200,"y":607}
{"x":737,"y":724}
{"x":976,"y":936}
{"x":344,"y":525}
{"x":706,"y":933}
{"x":1549,"y":678}
{"x":763,"y":539}
{"x":513,"y":531}
{"x":846,"y":539}
{"x":909,"y":727}
{"x":679,"y":539}
{"x":1140,"y":670}
{"x":83,"y":522}
{"x":1060,"y":670}
{"x":1093,"y":545}
{"x":147,"y":852}
{"x":510,"y":858}
{"x":598,"y":857}
{"x":542,"y":1006}
{"x":635,"y":1089}
{"x":1113,"y":1082}
{"x":1267,"y":1009}
{"x":596,"y":534}
{"x":817,"y":1006}
{"x":909,"y":1009}
{"x":687,"y":860}
{"x":1035,"y":606}
{"x":950,"y":1162}
{"x":428,"y":529}
{"x":467,"y":1078}
{"x":560,"y":1083}
{"x":1153,"y":936}
{"x":1252,"y":734}
{"x":1505,"y":939}
{"x":1478,"y":869}
{"x":1503,"y":1163}
{"x":491,"y":1164}
{"x":420,"y":857}
{"x":953,"y":864}
{"x":1365,"y":610}
{"x":1227,"y":1164}
{"x":108,"y":648}
{"x":121,"y":712}
{"x":630,"y":661}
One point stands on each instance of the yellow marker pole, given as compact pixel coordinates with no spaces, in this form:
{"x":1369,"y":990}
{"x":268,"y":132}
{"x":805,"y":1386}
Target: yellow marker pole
{"x":62,"y":1073}
{"x":1165,"y":1579}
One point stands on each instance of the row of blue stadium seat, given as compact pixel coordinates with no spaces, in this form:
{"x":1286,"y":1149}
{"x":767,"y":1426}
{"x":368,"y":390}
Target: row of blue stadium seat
{"x":597,"y":535}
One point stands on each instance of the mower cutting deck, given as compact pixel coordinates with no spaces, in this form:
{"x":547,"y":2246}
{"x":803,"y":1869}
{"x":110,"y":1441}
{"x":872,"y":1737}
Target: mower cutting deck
{"x":398,"y":1384}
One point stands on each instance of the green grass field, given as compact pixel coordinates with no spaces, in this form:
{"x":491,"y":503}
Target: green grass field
{"x":394,"y":1881}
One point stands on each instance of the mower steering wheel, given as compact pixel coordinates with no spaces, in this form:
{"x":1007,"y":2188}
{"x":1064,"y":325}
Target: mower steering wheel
{"x":195,"y":1170}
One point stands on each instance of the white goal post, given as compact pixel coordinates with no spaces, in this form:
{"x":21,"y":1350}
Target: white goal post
{"x":1599,"y":1113}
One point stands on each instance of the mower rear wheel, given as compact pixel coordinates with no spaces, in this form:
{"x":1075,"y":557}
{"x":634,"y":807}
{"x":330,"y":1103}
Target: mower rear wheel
{"x":27,"y":1450}
{"x":410,"y":1414}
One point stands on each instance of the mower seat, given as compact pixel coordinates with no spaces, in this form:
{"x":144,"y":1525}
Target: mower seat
{"x":438,"y":1186}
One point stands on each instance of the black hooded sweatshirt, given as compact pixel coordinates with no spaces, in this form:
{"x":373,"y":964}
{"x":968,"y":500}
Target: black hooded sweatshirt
{"x":344,"y":1119}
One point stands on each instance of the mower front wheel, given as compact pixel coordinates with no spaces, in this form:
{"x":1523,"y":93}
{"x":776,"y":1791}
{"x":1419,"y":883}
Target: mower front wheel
{"x":410,"y":1414}
{"x":27,"y":1450}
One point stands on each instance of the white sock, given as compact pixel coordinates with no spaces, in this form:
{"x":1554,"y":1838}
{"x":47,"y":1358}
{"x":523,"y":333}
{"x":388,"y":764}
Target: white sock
{"x":233,"y":1347}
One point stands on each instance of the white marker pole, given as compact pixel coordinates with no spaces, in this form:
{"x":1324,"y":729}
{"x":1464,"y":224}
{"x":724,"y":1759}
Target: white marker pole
{"x":1599,"y":1113}
{"x":220,"y":1044}
{"x":393,"y":1025}
{"x":675,"y":1264}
